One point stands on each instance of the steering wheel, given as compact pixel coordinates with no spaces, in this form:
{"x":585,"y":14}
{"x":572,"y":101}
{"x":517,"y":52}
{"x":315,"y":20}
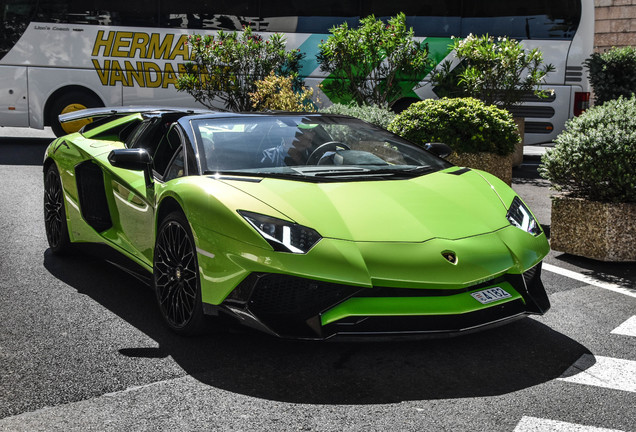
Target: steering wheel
{"x":319,"y":151}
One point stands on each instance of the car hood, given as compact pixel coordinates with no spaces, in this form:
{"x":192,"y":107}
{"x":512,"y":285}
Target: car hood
{"x":436,"y":205}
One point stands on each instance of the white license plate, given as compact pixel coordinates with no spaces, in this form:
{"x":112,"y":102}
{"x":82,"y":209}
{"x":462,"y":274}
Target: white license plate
{"x":490,"y":295}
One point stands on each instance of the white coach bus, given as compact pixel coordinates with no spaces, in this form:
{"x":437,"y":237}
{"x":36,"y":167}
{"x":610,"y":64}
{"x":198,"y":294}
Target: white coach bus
{"x":58,"y":56}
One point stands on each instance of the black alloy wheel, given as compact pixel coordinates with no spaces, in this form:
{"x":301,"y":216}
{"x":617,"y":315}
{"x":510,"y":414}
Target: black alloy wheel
{"x":176,"y":277}
{"x":54,"y":213}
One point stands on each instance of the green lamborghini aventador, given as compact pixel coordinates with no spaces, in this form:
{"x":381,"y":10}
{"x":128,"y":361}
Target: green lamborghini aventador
{"x":300,"y":225}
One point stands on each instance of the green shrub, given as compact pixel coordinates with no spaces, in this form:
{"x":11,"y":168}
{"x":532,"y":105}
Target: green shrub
{"x":373,"y":64}
{"x":227,"y":66}
{"x":372,"y":114}
{"x":467,"y":125}
{"x":277,"y":93}
{"x":595,"y":156}
{"x":612,"y":73}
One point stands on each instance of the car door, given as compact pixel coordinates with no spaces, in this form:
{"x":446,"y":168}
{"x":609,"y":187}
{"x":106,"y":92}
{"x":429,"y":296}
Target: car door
{"x":135,"y":201}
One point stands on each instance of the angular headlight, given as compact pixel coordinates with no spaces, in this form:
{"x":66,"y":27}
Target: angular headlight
{"x":282,"y":235}
{"x":518,"y":215}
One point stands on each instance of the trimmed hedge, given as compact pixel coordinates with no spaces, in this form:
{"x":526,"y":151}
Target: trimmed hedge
{"x":595,"y":156}
{"x":467,"y":125}
{"x":372,"y":114}
{"x":612,"y":73}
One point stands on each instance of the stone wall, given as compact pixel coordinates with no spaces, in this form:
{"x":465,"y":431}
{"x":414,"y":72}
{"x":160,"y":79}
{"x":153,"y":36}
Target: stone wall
{"x":615,"y":24}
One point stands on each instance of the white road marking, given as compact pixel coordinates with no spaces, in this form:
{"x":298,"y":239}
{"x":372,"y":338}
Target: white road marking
{"x":608,"y":372}
{"x":533,"y":424}
{"x":628,"y":328}
{"x":592,"y":281}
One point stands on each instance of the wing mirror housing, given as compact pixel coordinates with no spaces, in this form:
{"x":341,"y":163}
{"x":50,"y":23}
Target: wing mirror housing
{"x":439,"y":149}
{"x":133,"y":159}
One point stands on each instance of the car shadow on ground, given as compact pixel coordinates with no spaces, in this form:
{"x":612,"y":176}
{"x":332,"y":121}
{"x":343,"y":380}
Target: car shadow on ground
{"x":23,"y":151}
{"x":622,"y":274}
{"x":495,"y":362}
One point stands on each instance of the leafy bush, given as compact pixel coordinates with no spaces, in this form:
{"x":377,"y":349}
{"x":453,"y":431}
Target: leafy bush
{"x":612,"y":73}
{"x":595,"y":156}
{"x":277,"y":93}
{"x":372,"y":64}
{"x":227,"y":66}
{"x":495,"y":71}
{"x":467,"y":125}
{"x":372,"y":114}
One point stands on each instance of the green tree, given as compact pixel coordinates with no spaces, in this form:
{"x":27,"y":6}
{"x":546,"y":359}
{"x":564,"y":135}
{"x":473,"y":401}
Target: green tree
{"x":226,"y":67}
{"x":371,"y":64}
{"x":495,"y":71}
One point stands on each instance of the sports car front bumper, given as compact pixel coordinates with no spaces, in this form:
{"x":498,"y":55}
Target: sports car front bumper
{"x":290,"y":306}
{"x":342,"y":288}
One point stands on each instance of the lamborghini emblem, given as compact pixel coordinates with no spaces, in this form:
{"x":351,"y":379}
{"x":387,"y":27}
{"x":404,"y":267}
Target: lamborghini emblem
{"x":450,"y":257}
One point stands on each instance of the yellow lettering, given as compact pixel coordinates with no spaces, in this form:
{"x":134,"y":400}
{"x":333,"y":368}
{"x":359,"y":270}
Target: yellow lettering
{"x":102,"y":73}
{"x":122,"y":41}
{"x":169,"y":77}
{"x":116,"y":74}
{"x":139,"y":43}
{"x":181,"y":49}
{"x":100,"y":42}
{"x":134,"y":74}
{"x":158,"y":49}
{"x":152,"y":73}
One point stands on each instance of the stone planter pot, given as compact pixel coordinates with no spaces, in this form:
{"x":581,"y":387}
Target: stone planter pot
{"x":602,"y":231}
{"x":500,"y":166}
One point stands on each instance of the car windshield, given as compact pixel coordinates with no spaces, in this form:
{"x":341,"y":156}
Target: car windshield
{"x":312,"y":146}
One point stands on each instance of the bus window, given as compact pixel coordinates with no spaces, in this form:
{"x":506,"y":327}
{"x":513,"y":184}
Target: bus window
{"x":302,"y":17}
{"x":208,"y":14}
{"x":539,"y":19}
{"x":431,"y":18}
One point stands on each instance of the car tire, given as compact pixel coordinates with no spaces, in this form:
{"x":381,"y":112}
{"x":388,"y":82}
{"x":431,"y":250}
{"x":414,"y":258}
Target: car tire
{"x":55,"y":223}
{"x":72,"y":101}
{"x":176,"y":279}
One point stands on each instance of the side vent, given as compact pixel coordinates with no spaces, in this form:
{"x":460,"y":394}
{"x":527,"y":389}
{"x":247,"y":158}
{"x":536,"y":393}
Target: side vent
{"x":92,"y":196}
{"x":459,"y":171}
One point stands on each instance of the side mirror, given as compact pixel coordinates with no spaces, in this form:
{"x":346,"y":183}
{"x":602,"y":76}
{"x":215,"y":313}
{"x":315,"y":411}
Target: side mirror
{"x":439,"y":149}
{"x":133,"y":159}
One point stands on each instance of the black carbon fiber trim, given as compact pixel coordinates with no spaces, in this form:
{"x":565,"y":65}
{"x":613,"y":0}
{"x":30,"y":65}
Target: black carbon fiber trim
{"x":92,"y":196}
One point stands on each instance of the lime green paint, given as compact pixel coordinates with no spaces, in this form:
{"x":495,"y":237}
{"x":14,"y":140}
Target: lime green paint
{"x":404,"y":306}
{"x":375,"y":233}
{"x":435,"y":205}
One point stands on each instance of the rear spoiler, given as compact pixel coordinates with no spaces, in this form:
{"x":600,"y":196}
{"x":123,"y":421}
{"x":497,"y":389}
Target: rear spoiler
{"x":105,"y":112}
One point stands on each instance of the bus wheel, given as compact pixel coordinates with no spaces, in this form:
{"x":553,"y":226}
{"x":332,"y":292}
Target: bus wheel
{"x":69,"y":102}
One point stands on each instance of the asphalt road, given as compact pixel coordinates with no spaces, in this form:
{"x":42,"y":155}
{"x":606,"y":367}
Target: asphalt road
{"x":82,"y":348}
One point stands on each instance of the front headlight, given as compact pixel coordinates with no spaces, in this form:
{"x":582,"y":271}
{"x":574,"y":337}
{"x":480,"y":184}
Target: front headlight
{"x":282,"y":235}
{"x":519,"y":215}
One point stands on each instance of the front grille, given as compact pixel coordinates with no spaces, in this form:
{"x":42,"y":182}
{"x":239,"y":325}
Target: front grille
{"x":285,"y":303}
{"x":291,"y":306}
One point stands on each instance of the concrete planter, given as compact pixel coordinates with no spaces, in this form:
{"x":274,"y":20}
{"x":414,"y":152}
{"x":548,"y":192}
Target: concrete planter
{"x":602,"y":231}
{"x":500,"y":166}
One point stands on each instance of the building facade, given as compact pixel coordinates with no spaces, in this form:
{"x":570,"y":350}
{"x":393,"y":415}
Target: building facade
{"x":615,"y":24}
